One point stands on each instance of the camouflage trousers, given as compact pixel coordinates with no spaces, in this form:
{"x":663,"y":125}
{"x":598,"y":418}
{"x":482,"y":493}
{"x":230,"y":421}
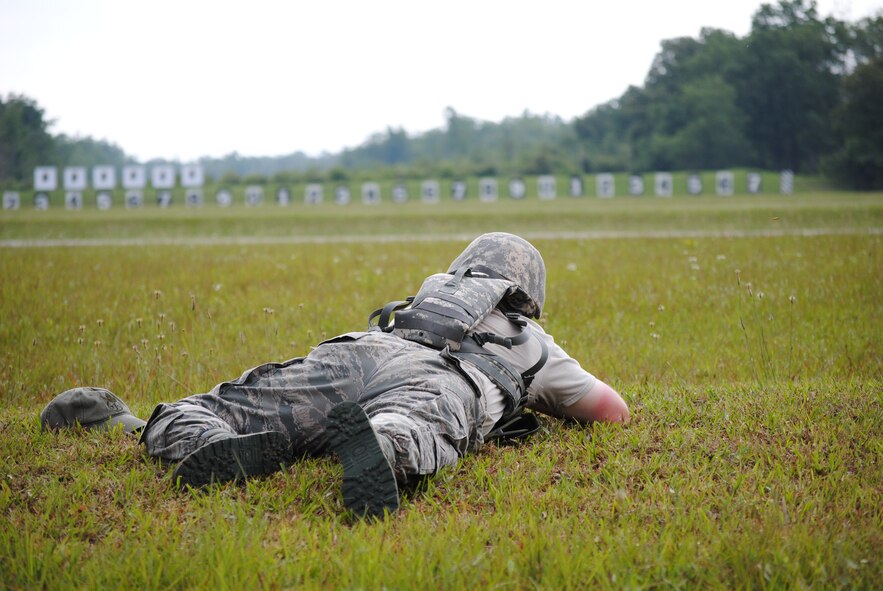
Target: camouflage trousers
{"x":425,"y":410}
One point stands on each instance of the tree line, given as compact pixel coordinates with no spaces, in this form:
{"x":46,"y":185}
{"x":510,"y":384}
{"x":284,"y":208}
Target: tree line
{"x":798,"y":92}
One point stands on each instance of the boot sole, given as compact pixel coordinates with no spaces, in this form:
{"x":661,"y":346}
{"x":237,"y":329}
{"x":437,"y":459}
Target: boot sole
{"x":369,"y":484}
{"x":235,"y":458}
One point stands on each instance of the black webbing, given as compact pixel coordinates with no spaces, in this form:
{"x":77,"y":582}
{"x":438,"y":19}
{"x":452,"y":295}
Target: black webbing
{"x":529,"y":374}
{"x":386,"y":311}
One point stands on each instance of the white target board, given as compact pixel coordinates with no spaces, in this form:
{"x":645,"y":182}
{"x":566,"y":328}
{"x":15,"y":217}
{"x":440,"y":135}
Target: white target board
{"x":576,"y":186}
{"x":193,"y":197}
{"x":73,"y":200}
{"x":786,"y":182}
{"x":224,"y":198}
{"x":134,"y":199}
{"x":487,"y":189}
{"x":694,"y":184}
{"x":400,"y":193}
{"x":164,"y":199}
{"x":41,"y":201}
{"x":134,"y":177}
{"x":45,"y":178}
{"x":104,"y":178}
{"x":103,"y":200}
{"x":636,"y":185}
{"x":313,"y":194}
{"x":546,"y":187}
{"x":254,"y":194}
{"x":663,"y":185}
{"x":283,"y":196}
{"x":458,"y":190}
{"x":342,"y":195}
{"x":430,"y":191}
{"x":370,"y":193}
{"x":723,"y":183}
{"x":605,"y":186}
{"x":11,"y":200}
{"x":517,"y":188}
{"x":755,"y":183}
{"x":74,"y":178}
{"x":192,"y":176}
{"x":162,"y":176}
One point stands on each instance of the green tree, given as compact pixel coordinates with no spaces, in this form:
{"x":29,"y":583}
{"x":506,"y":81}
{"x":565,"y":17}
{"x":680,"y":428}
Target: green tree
{"x":459,"y":133}
{"x":24,"y":139}
{"x":87,"y":152}
{"x":859,"y":119}
{"x":712,"y":135}
{"x":866,"y":39}
{"x":788,"y":86}
{"x":685,"y":115}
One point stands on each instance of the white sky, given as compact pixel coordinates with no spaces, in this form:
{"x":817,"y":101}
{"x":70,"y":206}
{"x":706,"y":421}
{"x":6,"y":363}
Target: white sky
{"x":187,"y":78}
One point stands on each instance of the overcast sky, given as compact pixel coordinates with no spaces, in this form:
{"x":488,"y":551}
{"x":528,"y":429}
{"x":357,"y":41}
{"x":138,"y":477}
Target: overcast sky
{"x":187,"y":78}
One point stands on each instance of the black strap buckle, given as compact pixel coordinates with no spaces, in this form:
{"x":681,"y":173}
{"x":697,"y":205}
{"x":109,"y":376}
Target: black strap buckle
{"x":385,"y":313}
{"x":489,"y":337}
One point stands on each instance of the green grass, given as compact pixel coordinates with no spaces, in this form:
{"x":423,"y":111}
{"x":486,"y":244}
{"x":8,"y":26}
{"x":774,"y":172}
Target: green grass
{"x":775,"y":214}
{"x":752,"y":366}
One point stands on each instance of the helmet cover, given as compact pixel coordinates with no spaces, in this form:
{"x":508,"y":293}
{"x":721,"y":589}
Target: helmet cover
{"x":513,"y":258}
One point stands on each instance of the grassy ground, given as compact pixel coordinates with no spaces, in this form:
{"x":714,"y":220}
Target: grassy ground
{"x":776,"y":213}
{"x":752,"y":366}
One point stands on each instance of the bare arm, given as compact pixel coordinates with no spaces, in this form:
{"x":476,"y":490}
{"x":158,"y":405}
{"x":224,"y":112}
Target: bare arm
{"x":602,"y":403}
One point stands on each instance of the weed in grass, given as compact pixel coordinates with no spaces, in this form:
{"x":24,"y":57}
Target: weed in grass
{"x":739,"y":470}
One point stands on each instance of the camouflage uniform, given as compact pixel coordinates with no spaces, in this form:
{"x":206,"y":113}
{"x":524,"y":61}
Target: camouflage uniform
{"x":424,"y":407}
{"x":420,"y":403}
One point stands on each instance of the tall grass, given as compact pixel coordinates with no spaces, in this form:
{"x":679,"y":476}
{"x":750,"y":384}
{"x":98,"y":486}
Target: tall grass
{"x":753,"y":458}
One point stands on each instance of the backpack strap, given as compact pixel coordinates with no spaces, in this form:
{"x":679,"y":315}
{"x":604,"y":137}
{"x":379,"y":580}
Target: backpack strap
{"x":386,"y":312}
{"x":530,"y":373}
{"x":513,"y":385}
{"x":488,"y":337}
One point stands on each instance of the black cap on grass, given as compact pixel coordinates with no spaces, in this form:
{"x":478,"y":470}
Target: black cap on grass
{"x":92,"y":408}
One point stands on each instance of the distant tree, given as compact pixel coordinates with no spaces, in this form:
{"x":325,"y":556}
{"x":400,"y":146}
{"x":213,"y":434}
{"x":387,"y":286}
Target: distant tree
{"x":230,"y":178}
{"x":459,"y":133}
{"x":255,"y":178}
{"x":395,"y":146}
{"x":338,"y":174}
{"x":712,"y":134}
{"x":787,"y":85}
{"x":314,"y":175}
{"x":25,"y":141}
{"x":858,"y":163}
{"x":602,"y":136}
{"x":546,"y":159}
{"x":86,"y":151}
{"x":865,"y":39}
{"x":284,"y":177}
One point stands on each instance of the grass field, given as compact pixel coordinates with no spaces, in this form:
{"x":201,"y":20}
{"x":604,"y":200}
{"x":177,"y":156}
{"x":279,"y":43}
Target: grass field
{"x":745,"y":333}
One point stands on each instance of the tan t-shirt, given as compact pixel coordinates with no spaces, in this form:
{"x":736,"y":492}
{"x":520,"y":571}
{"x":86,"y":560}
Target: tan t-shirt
{"x":561,"y":382}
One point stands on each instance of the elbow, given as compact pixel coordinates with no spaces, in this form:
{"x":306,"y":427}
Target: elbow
{"x":611,"y":408}
{"x":604,"y":404}
{"x":619,"y":412}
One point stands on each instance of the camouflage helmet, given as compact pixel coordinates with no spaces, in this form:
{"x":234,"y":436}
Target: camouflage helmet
{"x":513,"y":258}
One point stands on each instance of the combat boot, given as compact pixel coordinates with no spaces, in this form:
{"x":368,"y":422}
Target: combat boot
{"x":224,"y":457}
{"x":369,"y":484}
